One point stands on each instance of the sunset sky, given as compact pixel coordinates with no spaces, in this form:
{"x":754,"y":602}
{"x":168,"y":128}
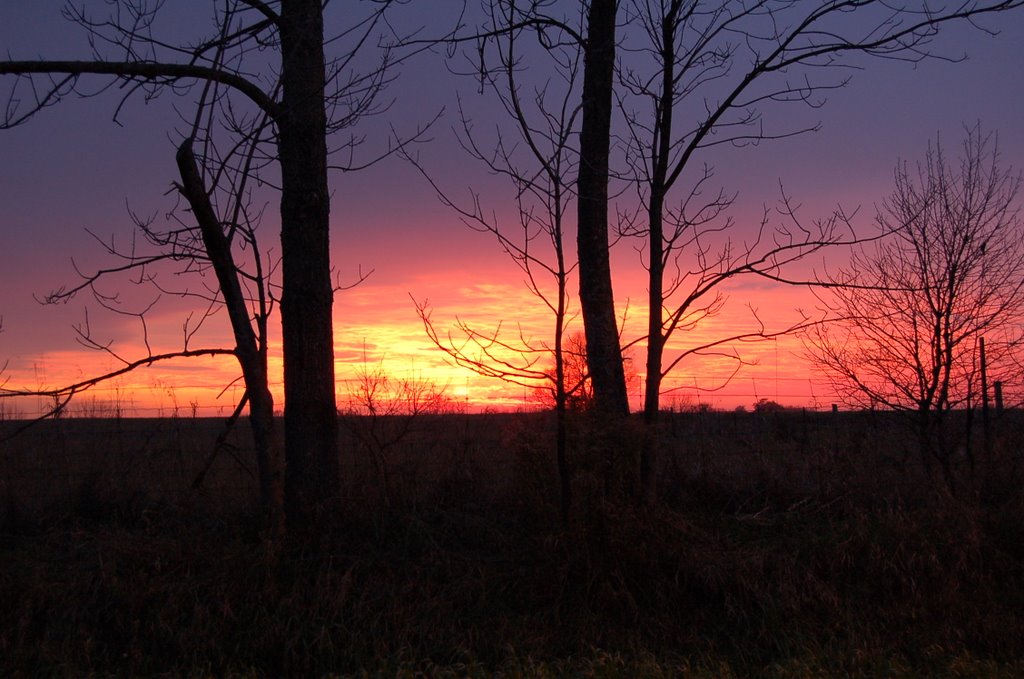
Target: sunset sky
{"x":72,"y":168}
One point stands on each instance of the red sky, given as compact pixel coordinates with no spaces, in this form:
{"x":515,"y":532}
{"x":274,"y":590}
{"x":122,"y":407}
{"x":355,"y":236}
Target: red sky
{"x":72,"y":169}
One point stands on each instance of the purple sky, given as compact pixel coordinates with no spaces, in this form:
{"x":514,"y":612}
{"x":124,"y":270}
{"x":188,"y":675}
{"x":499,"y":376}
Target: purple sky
{"x":72,"y":168}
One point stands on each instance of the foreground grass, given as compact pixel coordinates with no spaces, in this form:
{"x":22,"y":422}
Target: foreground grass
{"x":789,"y":547}
{"x":806,"y":589}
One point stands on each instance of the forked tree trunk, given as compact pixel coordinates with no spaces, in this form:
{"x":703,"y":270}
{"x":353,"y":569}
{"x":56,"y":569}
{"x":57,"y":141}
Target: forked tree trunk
{"x":311,"y":418}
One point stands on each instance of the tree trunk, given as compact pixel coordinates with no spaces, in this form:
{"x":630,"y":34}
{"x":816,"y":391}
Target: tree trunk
{"x":311,"y":417}
{"x":561,"y":397}
{"x":249,"y":349}
{"x":604,"y":356}
{"x":656,"y":333}
{"x":655,"y":350}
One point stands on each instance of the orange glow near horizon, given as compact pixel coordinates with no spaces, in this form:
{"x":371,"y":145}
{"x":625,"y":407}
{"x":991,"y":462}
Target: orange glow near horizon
{"x":376,"y":327}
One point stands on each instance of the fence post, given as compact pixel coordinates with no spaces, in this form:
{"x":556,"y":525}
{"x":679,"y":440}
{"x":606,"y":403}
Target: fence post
{"x":985,"y":425}
{"x":835,"y":430}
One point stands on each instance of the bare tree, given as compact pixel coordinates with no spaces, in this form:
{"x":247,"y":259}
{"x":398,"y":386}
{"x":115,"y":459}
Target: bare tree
{"x":538,"y":159}
{"x":700,"y":75}
{"x":249,"y":328}
{"x":726,"y":61}
{"x":691,"y":258}
{"x":597,"y":43}
{"x":949,"y":277}
{"x":266,"y":62}
{"x":384,"y":411}
{"x":205,"y":241}
{"x":577,"y":374}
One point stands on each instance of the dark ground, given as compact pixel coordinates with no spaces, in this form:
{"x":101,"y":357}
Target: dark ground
{"x":787,"y":544}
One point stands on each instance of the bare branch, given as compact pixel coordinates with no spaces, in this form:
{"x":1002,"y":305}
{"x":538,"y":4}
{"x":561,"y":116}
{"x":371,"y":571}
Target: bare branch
{"x":133,"y":71}
{"x":62,"y":395}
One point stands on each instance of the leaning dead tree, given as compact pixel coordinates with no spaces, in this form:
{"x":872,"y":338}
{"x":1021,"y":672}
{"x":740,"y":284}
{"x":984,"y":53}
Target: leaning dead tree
{"x":178,"y":261}
{"x":262,"y":78}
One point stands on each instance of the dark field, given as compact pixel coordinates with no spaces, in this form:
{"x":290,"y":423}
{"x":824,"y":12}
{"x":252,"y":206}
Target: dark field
{"x":787,"y":544}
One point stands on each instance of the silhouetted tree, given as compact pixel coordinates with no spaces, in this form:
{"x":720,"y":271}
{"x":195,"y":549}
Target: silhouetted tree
{"x":701,"y":75}
{"x":304,"y":96}
{"x":191,"y":246}
{"x":384,"y":411}
{"x":597,"y":43}
{"x":538,"y":159}
{"x":767,"y":406}
{"x":923,"y":298}
{"x":577,"y":373}
{"x":597,"y":300}
{"x":723,"y":62}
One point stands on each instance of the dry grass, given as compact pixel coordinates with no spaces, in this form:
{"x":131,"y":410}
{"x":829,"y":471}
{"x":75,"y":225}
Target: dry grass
{"x":782,"y":550}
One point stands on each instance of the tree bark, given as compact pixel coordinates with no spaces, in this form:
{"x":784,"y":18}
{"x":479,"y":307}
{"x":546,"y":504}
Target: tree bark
{"x":311,"y":417}
{"x":597,"y":302}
